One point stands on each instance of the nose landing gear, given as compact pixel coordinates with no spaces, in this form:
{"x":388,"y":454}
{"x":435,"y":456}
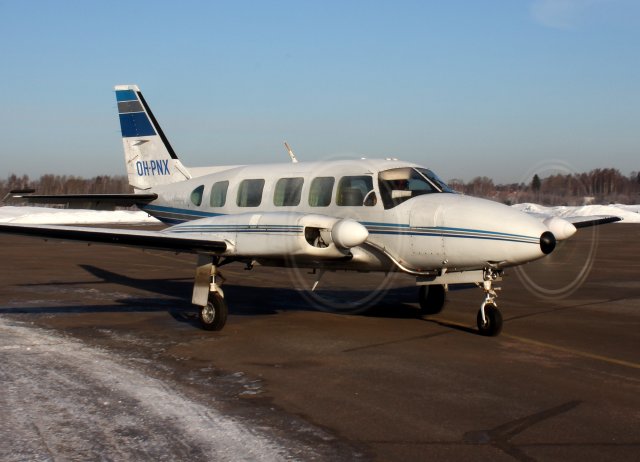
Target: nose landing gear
{"x":489,"y":318}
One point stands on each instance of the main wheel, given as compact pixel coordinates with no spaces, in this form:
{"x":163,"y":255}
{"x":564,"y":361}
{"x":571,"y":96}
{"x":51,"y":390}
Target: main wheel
{"x":214,"y":315}
{"x":431,"y":299}
{"x":493,"y":324}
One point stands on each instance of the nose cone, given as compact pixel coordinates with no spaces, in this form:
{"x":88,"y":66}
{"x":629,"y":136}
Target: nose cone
{"x":547,"y":242}
{"x":476,"y":231}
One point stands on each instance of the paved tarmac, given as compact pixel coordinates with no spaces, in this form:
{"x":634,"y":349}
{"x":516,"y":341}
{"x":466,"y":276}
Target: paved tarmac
{"x":101,"y":357}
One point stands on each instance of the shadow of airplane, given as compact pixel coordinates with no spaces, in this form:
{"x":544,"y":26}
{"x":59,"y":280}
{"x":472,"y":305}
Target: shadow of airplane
{"x":175,"y":295}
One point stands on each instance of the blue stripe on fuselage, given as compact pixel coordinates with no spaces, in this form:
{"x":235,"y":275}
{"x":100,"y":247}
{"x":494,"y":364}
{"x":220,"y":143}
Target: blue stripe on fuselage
{"x":195,"y":213}
{"x":398,"y":229}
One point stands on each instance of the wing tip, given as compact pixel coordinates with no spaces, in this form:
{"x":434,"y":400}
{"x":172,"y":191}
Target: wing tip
{"x":597,"y":221}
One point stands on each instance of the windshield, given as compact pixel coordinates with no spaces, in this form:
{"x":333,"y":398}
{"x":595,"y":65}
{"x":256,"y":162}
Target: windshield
{"x":441,"y":185}
{"x":400,"y":184}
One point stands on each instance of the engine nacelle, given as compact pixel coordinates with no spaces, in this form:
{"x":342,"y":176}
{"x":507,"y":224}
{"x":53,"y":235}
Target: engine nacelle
{"x":280,"y":235}
{"x":348,"y":233}
{"x":561,"y":229}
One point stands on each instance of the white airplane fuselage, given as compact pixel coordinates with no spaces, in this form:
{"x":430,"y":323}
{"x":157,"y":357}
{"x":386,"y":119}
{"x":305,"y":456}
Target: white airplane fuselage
{"x":435,"y":231}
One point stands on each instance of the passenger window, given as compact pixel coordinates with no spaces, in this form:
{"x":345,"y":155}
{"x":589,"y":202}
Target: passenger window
{"x":250,"y":193}
{"x":320,"y":191}
{"x":356,"y":190}
{"x":196,"y":195}
{"x":288,"y":191}
{"x":219,"y":194}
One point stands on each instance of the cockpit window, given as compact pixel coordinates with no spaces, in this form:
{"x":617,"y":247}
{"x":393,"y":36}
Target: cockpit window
{"x":435,"y":179}
{"x":400,"y":184}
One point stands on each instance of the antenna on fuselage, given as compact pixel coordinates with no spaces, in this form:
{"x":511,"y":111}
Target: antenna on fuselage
{"x":291,"y":154}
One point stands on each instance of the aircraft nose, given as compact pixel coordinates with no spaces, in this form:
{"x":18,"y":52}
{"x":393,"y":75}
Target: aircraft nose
{"x":547,"y":242}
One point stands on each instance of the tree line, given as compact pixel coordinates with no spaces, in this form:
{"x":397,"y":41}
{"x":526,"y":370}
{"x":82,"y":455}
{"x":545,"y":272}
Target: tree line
{"x":64,"y":184}
{"x":600,"y":186}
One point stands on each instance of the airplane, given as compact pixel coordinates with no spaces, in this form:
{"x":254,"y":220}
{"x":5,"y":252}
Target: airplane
{"x":378,"y":215}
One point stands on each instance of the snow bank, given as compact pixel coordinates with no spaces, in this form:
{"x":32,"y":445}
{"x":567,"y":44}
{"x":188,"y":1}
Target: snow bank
{"x":628,"y":213}
{"x":46,"y":215}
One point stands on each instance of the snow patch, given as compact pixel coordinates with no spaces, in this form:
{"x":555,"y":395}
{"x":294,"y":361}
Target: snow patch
{"x":68,"y":387}
{"x":45,"y":215}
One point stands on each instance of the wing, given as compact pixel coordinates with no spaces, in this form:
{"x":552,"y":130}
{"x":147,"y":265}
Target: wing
{"x":563,"y":227}
{"x":122,"y":237}
{"x":82,"y":201}
{"x":273,"y":236}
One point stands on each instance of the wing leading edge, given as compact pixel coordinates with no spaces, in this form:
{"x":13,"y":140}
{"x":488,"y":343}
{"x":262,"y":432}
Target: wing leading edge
{"x":593,"y":220}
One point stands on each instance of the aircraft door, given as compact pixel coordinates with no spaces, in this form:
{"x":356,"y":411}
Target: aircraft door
{"x":427,"y":241}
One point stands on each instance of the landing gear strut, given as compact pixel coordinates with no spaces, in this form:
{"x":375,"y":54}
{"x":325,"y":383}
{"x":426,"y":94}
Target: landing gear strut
{"x":208,"y":294}
{"x":489,"y":318}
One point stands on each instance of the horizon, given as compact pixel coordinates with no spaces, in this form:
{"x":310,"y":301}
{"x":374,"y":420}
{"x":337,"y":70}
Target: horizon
{"x":497,"y":89}
{"x":549,"y":173}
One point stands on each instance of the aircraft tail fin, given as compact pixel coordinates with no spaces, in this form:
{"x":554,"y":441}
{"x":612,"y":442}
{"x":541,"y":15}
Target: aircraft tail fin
{"x":150,"y":159}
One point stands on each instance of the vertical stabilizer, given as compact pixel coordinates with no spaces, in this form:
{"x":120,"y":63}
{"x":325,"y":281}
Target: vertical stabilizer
{"x":150,"y":159}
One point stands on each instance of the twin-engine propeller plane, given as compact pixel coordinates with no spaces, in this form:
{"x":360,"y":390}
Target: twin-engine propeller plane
{"x":363,"y":215}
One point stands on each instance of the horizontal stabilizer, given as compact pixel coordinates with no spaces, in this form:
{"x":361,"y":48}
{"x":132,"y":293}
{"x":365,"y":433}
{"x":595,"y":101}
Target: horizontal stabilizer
{"x":83,"y":201}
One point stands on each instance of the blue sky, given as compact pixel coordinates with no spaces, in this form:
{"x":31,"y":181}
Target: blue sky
{"x":469,"y":88}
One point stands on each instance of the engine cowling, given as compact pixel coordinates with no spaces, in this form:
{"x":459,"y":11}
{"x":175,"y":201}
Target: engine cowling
{"x":561,"y":229}
{"x":280,"y":234}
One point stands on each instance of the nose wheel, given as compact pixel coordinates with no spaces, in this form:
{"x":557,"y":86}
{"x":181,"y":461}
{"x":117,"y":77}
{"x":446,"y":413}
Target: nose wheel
{"x":489,"y":318}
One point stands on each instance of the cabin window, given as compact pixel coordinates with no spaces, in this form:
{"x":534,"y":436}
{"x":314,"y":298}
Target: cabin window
{"x":250,"y":193}
{"x":356,"y":190}
{"x":219,"y":194}
{"x":196,"y":195}
{"x":320,"y":191}
{"x":400,"y":184}
{"x":288,"y":191}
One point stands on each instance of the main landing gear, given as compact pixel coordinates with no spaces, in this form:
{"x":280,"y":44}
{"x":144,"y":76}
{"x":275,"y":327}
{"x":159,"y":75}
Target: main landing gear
{"x":208,"y":294}
{"x":489,"y":318}
{"x":432,"y":298}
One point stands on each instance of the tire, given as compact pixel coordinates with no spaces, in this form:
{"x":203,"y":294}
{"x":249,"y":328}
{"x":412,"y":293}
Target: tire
{"x":493,"y":326}
{"x":214,"y":315}
{"x":431,"y":299}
